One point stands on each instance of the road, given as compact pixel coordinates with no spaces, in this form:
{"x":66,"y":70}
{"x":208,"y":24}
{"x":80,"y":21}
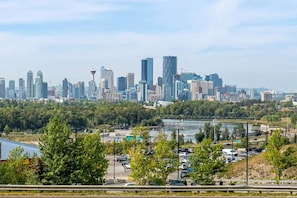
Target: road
{"x":136,"y":196}
{"x":115,"y":170}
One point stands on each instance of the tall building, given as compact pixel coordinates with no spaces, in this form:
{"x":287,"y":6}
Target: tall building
{"x":22,"y":91}
{"x":217,"y":81}
{"x":44,"y":90}
{"x":92,"y":92}
{"x":2,"y":88}
{"x":107,"y":74}
{"x":160,"y":81}
{"x":65,"y":88}
{"x":169,"y":71}
{"x":38,"y":87}
{"x":122,"y":84}
{"x":266,"y":96}
{"x":40,"y":75}
{"x":143,"y":91}
{"x":185,"y":76}
{"x":11,"y":89}
{"x":76,"y":92}
{"x":71,"y":88}
{"x":30,"y":85}
{"x":200,"y":89}
{"x":147,"y":72}
{"x":130,"y":80}
{"x":81,"y":86}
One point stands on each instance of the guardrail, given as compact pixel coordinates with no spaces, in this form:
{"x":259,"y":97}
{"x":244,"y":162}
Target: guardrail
{"x":210,"y":188}
{"x":255,"y":182}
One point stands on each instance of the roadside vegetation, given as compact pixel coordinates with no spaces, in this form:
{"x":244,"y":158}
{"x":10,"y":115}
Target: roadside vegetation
{"x":70,"y":157}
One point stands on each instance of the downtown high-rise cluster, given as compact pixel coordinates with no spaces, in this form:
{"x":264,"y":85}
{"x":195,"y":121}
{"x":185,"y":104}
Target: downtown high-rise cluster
{"x":171,"y":86}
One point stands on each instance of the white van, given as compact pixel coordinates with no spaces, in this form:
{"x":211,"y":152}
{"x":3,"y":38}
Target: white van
{"x":229,"y":152}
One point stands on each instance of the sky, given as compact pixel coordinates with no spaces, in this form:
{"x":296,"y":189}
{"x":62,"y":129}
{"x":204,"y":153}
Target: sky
{"x":248,"y":43}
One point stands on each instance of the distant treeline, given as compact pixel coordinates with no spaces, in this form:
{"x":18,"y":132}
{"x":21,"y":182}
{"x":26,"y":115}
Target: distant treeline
{"x":80,"y":115}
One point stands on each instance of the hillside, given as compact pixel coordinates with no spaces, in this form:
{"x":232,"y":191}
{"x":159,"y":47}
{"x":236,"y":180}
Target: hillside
{"x":259,"y":169}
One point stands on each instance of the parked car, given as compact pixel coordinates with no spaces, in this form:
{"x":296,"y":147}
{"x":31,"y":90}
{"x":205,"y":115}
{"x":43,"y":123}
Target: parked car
{"x":127,"y":166}
{"x":121,"y":158}
{"x":130,"y":184}
{"x":177,"y":182}
{"x":184,"y":173}
{"x":124,"y":163}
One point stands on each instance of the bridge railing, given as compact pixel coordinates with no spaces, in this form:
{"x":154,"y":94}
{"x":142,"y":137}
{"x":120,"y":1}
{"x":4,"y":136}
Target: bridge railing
{"x":211,"y":188}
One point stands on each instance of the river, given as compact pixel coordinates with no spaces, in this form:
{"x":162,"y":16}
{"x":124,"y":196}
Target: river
{"x":190,"y":127}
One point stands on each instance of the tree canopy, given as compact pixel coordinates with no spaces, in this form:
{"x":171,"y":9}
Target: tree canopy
{"x":67,"y":160}
{"x":279,"y":156}
{"x":206,"y":161}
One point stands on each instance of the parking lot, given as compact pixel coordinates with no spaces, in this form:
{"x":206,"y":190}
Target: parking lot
{"x":119,"y":173}
{"x":115,"y":170}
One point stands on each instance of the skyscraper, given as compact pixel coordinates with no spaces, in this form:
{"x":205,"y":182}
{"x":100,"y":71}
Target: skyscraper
{"x":130,"y":80}
{"x":38,"y":87}
{"x":143,"y":87}
{"x":107,"y":74}
{"x":11,"y":89}
{"x":44,"y":90}
{"x":122,"y":84}
{"x":169,"y":71}
{"x":147,"y":72}
{"x":30,"y":85}
{"x":2,"y":88}
{"x":22,"y":93}
{"x":217,"y":81}
{"x":65,"y":88}
{"x":81,"y":86}
{"x":160,"y":81}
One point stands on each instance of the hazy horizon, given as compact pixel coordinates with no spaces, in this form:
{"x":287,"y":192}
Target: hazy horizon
{"x":249,"y":43}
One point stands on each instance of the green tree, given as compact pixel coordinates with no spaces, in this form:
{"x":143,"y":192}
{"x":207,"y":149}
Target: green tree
{"x":225,"y":134}
{"x":140,"y":165}
{"x":56,"y":153}
{"x":217,"y":131}
{"x":16,"y":166}
{"x":164,"y":161}
{"x":206,"y":161}
{"x":278,"y":156}
{"x":199,"y":136}
{"x":153,"y":168}
{"x":19,"y":168}
{"x":208,"y":130}
{"x":67,"y":160}
{"x":293,"y":119}
{"x":7,"y":129}
{"x":93,"y":163}
{"x":239,"y":130}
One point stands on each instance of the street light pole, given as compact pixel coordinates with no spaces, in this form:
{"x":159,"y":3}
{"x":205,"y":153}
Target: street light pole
{"x":247,"y":154}
{"x":232,"y":136}
{"x":177,"y":153}
{"x":114,"y":160}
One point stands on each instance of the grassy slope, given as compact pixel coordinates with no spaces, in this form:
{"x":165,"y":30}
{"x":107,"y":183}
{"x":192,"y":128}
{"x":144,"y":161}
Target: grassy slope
{"x":259,"y":169}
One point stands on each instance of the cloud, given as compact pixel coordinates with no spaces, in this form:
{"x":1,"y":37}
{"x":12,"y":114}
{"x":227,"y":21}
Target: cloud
{"x":32,"y":11}
{"x":239,"y":40}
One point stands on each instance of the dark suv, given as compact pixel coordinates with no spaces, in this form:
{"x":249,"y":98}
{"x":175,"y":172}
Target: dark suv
{"x":121,"y":158}
{"x":177,"y":182}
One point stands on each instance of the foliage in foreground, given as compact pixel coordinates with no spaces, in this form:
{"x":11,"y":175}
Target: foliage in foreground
{"x":278,"y":156}
{"x":18,"y":169}
{"x":206,"y":161}
{"x":68,"y":160}
{"x":147,"y":168}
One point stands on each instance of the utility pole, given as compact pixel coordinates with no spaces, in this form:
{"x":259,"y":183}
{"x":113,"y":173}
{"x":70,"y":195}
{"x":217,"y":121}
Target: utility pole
{"x":247,"y":154}
{"x":114,"y":159}
{"x":177,"y":153}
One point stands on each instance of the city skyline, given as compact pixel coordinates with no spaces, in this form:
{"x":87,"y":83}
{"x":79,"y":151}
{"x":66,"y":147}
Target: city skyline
{"x":249,"y":43}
